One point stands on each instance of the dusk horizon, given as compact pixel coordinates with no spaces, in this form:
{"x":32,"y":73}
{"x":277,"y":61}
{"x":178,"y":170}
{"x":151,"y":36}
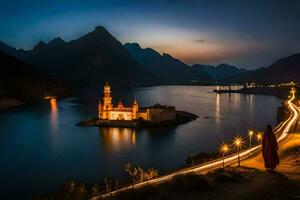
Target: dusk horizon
{"x":202,"y":32}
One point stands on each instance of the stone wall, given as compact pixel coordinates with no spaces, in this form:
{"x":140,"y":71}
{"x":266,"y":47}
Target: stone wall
{"x":162,"y":113}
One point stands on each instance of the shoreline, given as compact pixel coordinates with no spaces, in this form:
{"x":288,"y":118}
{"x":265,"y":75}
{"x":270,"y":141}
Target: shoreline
{"x":279,"y":92}
{"x":181,"y":118}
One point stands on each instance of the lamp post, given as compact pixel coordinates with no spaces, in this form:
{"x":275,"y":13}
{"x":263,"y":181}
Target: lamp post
{"x":259,"y":136}
{"x":224,"y":149}
{"x":238,"y":143}
{"x":250,"y":133}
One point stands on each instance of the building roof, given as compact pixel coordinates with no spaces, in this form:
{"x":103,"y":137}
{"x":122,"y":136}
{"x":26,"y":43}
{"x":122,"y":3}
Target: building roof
{"x":158,"y":106}
{"x":124,"y":109}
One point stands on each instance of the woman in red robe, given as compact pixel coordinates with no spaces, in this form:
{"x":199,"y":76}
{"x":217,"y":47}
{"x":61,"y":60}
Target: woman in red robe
{"x":269,"y":149}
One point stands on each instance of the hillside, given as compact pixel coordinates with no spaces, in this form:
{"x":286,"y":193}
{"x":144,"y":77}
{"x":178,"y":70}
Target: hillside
{"x":21,"y":81}
{"x":284,"y":70}
{"x":169,"y":70}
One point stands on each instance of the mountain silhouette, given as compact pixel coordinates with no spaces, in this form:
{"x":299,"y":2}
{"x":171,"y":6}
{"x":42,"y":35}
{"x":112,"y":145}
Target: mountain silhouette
{"x":97,"y":57}
{"x":284,"y":70}
{"x":88,"y":61}
{"x":91,"y":60}
{"x":21,"y":81}
{"x":219,"y":72}
{"x":169,"y":70}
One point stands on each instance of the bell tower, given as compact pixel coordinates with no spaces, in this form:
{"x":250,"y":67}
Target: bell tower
{"x":107,"y":105}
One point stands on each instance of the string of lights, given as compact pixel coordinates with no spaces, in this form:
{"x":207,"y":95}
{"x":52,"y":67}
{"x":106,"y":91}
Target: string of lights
{"x":238,"y":141}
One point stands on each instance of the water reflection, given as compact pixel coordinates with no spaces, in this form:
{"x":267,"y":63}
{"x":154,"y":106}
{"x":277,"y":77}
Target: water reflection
{"x":133,"y":139}
{"x":218,"y":109}
{"x":54,"y":114}
{"x":116,"y":139}
{"x":250,"y":102}
{"x":106,"y":150}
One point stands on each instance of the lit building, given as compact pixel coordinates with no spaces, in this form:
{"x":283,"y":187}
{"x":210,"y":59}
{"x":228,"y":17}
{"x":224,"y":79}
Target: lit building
{"x":157,"y":113}
{"x":107,"y":111}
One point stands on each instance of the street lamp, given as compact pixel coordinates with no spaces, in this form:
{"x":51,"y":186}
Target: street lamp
{"x":224,"y":150}
{"x":238,"y":143}
{"x":293,"y":90}
{"x":259,"y":136}
{"x":250,"y":133}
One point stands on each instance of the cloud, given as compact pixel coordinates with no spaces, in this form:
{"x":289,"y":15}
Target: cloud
{"x":199,"y":41}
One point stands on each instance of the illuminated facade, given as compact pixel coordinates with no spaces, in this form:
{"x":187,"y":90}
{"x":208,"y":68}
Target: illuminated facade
{"x":107,"y":111}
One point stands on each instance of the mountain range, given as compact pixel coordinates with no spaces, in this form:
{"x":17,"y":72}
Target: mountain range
{"x":97,"y":57}
{"x":218,"y":72}
{"x":88,"y":61}
{"x":166,"y":68}
{"x":282,"y":71}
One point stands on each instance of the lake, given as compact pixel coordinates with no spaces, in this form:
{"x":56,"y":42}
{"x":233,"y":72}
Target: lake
{"x":40,"y":146}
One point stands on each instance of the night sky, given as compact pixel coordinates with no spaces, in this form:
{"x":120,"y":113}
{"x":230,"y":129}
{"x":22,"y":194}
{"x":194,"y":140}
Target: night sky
{"x":248,"y":34}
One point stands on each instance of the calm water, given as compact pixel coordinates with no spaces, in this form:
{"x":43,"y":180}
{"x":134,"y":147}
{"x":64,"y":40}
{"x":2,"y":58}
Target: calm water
{"x":40,"y":146}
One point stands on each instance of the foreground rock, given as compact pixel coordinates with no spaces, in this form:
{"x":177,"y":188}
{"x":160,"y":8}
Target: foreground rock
{"x":181,"y":118}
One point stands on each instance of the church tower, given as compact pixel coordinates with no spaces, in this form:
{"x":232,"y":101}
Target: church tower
{"x":107,"y":102}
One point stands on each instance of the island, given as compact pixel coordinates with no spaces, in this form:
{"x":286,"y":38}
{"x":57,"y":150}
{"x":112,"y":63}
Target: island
{"x":134,"y":116}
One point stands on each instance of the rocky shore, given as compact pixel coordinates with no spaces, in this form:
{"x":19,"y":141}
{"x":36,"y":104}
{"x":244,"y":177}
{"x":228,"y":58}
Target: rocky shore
{"x":181,"y":118}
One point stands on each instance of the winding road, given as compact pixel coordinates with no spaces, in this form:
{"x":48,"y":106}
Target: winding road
{"x":281,"y":131}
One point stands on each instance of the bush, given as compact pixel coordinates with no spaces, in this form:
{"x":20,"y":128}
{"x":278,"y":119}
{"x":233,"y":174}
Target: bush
{"x":231,"y":174}
{"x":189,"y":182}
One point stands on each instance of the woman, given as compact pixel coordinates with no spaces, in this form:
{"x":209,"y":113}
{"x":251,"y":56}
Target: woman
{"x":269,"y":149}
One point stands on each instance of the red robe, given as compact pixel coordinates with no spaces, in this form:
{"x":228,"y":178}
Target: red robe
{"x":269,"y":150}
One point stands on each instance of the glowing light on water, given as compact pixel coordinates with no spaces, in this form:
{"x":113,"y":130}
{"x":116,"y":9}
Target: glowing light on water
{"x":54,"y":114}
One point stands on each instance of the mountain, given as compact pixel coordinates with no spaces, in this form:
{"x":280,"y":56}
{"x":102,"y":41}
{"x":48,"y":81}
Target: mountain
{"x":8,"y":49}
{"x":56,"y":42}
{"x":284,"y":70}
{"x":169,"y":70}
{"x":19,"y":53}
{"x":92,"y":60}
{"x":21,"y":81}
{"x":89,"y":61}
{"x":241,"y":78}
{"x":219,"y":72}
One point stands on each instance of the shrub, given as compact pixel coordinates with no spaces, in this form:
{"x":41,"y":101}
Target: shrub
{"x":189,"y":182}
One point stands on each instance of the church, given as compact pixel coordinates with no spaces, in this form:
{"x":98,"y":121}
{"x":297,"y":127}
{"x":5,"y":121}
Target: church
{"x":156,"y":113}
{"x":107,"y":111}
